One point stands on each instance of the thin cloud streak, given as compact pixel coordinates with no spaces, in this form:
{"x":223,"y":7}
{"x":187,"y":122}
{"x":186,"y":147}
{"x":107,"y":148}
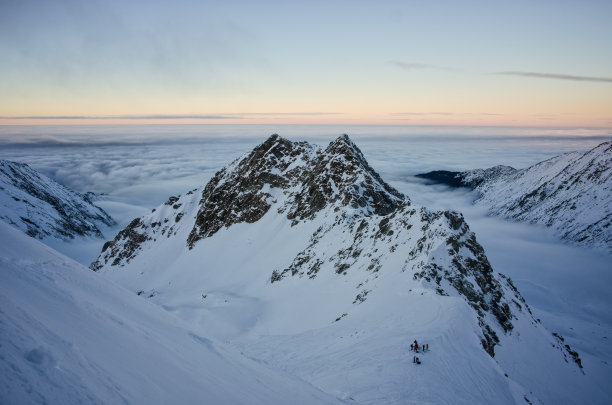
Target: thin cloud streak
{"x":119,"y":117}
{"x":228,"y":116}
{"x":557,"y":76}
{"x":399,"y":114}
{"x":423,"y":114}
{"x":420,"y":66}
{"x":292,"y":113}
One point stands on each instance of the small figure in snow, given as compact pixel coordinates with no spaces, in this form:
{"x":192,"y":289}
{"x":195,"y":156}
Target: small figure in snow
{"x":418,"y":361}
{"x":423,"y":347}
{"x":427,"y":346}
{"x":414,"y":359}
{"x":411,"y":346}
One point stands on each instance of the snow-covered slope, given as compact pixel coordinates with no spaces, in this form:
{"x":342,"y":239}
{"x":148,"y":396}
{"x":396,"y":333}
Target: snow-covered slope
{"x":45,"y":209}
{"x":570,"y":193}
{"x":69,"y":336}
{"x":305,"y":258}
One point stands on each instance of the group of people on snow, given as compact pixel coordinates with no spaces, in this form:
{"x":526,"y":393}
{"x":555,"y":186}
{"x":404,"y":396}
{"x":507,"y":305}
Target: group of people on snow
{"x":415,"y":348}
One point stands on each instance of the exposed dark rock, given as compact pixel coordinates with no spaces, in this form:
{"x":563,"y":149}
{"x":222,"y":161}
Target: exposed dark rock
{"x":342,"y":167}
{"x":171,"y":200}
{"x":313,"y":180}
{"x":567,"y":348}
{"x":125,"y":245}
{"x":237,"y":194}
{"x":45,"y":208}
{"x":452,"y":179}
{"x":470,"y":179}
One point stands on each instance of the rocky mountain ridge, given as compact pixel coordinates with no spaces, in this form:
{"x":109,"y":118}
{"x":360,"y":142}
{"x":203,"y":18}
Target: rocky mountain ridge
{"x":310,"y":178}
{"x":570,"y":193}
{"x":43,"y":208}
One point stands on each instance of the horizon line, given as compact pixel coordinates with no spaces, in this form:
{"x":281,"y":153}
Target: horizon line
{"x":221,"y":116}
{"x":336,"y":125}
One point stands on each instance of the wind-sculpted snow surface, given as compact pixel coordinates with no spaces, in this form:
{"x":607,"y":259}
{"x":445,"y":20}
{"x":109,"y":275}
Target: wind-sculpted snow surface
{"x":70,"y":337}
{"x":43,"y":208}
{"x":570,"y":193}
{"x":293,"y":248}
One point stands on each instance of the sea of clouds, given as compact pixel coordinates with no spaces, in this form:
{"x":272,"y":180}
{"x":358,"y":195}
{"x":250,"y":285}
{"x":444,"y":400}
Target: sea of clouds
{"x":142,"y":165}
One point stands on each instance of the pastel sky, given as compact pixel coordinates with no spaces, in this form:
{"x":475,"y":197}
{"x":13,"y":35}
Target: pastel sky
{"x":523,"y":63}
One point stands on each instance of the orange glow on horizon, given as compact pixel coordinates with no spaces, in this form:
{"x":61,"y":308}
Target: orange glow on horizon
{"x":399,"y":119}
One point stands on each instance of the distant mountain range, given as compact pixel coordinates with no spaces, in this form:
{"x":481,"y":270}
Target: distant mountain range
{"x":570,"y":193}
{"x":43,"y":208}
{"x":305,"y":258}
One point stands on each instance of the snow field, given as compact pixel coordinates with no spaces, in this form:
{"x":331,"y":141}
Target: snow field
{"x":69,"y":336}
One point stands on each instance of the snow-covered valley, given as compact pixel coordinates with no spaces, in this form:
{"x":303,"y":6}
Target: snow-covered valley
{"x":346,"y":302}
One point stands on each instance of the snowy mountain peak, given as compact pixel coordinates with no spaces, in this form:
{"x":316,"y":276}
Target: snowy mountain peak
{"x":43,"y":208}
{"x":350,"y":172}
{"x":317,"y":214}
{"x":243,"y":191}
{"x":301,"y":179}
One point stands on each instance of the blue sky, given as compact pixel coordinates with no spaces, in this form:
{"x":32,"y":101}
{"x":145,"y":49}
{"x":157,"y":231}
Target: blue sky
{"x":390,"y":62}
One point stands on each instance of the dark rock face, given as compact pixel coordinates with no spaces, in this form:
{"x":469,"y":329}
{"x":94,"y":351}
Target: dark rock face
{"x":469,"y":179}
{"x":45,"y":208}
{"x":310,"y":178}
{"x":342,"y":174}
{"x":452,"y":179}
{"x":241,"y":192}
{"x":132,"y":240}
{"x":163,"y":222}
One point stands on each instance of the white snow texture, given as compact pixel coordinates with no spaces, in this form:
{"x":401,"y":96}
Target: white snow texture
{"x":296,"y":275}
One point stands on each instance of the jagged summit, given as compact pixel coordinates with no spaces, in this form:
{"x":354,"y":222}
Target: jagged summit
{"x":43,"y":208}
{"x":241,"y":192}
{"x":307,"y":177}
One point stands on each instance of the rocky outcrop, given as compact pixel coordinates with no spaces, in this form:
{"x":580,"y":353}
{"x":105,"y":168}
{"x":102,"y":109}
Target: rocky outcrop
{"x":43,"y":208}
{"x":434,"y":247}
{"x":163,"y":222}
{"x":308,"y":178}
{"x":469,"y":179}
{"x":241,"y":192}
